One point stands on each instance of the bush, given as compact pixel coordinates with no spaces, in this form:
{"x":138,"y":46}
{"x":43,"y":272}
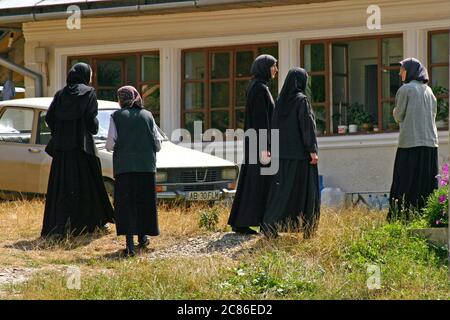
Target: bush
{"x":435,"y":212}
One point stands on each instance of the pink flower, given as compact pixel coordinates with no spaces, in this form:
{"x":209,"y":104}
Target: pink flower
{"x":443,"y":182}
{"x":438,"y":222}
{"x":445,"y":168}
{"x":442,"y":198}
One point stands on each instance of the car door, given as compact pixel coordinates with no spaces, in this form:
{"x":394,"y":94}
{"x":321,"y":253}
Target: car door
{"x":16,"y":132}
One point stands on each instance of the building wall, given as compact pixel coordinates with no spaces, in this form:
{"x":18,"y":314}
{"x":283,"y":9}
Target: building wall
{"x":355,"y":163}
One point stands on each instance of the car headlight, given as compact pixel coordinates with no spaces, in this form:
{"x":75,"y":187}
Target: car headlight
{"x":161,"y":176}
{"x":229,"y":174}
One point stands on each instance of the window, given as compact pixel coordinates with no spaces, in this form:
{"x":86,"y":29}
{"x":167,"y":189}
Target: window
{"x":140,"y":70}
{"x":353,"y":81}
{"x":16,"y":125}
{"x":44,"y":133}
{"x":214,"y":83}
{"x":438,"y":68}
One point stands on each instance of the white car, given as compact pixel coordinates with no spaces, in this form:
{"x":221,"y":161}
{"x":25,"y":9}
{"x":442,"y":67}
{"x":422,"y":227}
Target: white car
{"x":182,"y":173}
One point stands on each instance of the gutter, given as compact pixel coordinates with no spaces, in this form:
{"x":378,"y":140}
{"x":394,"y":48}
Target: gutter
{"x":37,"y":77}
{"x":193,"y":4}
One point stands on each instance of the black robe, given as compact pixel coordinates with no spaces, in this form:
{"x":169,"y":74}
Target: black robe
{"x":250,"y":199}
{"x":294,"y":197}
{"x":76,"y":200}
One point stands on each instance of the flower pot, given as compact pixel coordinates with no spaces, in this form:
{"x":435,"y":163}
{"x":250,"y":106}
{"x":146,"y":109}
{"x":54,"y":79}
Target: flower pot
{"x":366,"y":127}
{"x":392,"y":126}
{"x":342,"y":129}
{"x":435,"y":236}
{"x":353,"y":128}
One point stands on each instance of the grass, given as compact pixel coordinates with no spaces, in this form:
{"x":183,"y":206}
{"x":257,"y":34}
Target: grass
{"x":333,"y":265}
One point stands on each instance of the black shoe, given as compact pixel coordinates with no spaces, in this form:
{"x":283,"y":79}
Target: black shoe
{"x":127,"y":253}
{"x":244,"y":230}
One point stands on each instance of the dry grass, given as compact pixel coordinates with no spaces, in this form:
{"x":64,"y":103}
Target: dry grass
{"x":277,"y":264}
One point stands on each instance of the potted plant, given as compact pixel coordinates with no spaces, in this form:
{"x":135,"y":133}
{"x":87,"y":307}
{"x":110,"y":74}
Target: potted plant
{"x":442,"y":107}
{"x":359,"y":117}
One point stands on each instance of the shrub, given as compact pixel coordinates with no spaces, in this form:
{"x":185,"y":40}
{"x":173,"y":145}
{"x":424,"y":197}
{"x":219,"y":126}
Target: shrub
{"x":435,"y":212}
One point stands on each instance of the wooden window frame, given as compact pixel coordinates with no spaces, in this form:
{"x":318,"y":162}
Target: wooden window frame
{"x":430,"y":63}
{"x":328,"y":74}
{"x":139,"y":83}
{"x":207,"y":81}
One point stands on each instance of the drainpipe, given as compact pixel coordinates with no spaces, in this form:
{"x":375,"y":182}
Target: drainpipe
{"x":37,"y":77}
{"x":122,"y":10}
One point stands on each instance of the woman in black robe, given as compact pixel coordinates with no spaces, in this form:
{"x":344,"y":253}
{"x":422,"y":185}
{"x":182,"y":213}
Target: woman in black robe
{"x":250,"y":199}
{"x":294,"y":198}
{"x":76,"y":200}
{"x":416,"y":161}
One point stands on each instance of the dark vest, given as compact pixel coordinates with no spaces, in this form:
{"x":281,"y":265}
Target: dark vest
{"x":135,"y":149}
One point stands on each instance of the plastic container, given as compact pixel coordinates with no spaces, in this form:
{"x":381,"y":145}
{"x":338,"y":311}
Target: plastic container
{"x":333,"y":197}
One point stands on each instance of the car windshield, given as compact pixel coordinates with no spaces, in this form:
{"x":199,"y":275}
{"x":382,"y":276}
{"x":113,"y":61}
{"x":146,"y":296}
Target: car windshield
{"x":103,"y":126}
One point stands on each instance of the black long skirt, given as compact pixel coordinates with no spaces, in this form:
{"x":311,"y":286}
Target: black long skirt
{"x":135,"y":203}
{"x":251,"y":195}
{"x":294,"y":198}
{"x":414,"y":179}
{"x":76,"y":200}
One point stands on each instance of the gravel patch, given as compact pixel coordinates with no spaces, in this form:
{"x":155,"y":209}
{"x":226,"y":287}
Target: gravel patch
{"x":225,"y":244}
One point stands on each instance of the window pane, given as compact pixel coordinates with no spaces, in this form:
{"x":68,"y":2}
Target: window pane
{"x":388,"y":120}
{"x":109,"y":73}
{"x":220,"y":95}
{"x":392,"y":51}
{"x":189,"y":119}
{"x":75,"y":61}
{"x":440,"y":77}
{"x":439,"y":48}
{"x":193,"y":96}
{"x":442,"y":112}
{"x":240,"y":116}
{"x":220,"y":120}
{"x":220,"y":65}
{"x":314,"y":57}
{"x":273,"y":51}
{"x":391,"y":83}
{"x":316,"y":88}
{"x":131,"y":65}
{"x":44,"y":133}
{"x":320,"y":113}
{"x":150,"y":94}
{"x":150,"y":68}
{"x":241,"y":88}
{"x":107,"y":94}
{"x":194,"y":65}
{"x":16,"y":125}
{"x":244,"y":60}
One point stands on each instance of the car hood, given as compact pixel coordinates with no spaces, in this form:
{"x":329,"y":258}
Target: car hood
{"x":173,"y":156}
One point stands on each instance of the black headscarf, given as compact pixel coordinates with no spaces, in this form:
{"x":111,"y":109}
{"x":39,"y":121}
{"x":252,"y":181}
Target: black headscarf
{"x":77,"y":94}
{"x":78,"y":79}
{"x":261,"y":67}
{"x":415,"y":70}
{"x":294,"y":87}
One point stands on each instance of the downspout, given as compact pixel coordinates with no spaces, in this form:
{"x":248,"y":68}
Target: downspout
{"x":37,"y":77}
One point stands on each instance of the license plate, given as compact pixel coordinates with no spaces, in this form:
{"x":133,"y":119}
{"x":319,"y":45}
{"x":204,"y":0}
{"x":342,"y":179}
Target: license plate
{"x":203,"y":195}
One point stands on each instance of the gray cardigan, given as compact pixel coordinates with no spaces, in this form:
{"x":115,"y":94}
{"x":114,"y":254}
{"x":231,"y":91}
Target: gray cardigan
{"x":415,"y":111}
